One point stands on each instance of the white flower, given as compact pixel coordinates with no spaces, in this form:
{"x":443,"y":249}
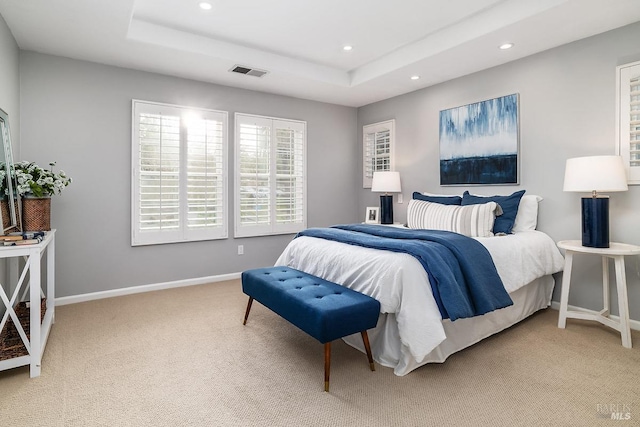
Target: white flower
{"x":34,"y":180}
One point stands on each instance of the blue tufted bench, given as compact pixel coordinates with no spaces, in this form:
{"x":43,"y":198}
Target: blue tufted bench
{"x":323,"y":309}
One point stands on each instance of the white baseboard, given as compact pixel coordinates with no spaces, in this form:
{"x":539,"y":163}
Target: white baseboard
{"x":634,"y":324}
{"x":145,"y":288}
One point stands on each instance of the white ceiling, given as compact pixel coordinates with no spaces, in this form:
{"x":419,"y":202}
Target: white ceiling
{"x":300,"y":41}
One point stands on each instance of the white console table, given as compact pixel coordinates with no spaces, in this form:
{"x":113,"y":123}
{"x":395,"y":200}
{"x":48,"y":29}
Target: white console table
{"x":39,"y":331}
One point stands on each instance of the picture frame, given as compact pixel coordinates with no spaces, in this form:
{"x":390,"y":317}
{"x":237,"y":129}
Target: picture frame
{"x":480,"y":143}
{"x":372,"y":215}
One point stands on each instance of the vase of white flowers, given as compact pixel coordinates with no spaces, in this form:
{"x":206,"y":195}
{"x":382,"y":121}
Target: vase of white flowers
{"x":36,"y":186}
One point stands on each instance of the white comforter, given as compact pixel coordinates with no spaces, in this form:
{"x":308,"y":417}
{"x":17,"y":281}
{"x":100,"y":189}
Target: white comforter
{"x":402,"y":286}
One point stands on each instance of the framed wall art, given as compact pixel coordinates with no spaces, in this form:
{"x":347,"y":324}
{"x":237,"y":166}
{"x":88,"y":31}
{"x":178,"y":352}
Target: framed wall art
{"x":479,"y":143}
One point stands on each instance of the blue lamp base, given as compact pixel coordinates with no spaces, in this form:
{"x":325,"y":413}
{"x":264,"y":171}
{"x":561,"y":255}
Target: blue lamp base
{"x":595,"y":222}
{"x":386,"y":209}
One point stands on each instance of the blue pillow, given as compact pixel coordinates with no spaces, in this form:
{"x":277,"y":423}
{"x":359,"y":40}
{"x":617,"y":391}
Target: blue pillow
{"x":509,"y":205}
{"x":443,"y":200}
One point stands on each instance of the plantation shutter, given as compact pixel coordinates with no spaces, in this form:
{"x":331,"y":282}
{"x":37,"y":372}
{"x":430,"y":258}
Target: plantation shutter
{"x":205,"y":174}
{"x":270,"y":177}
{"x":179,"y":174}
{"x":159,"y":172}
{"x":254,"y":166}
{"x":377,"y":149}
{"x":634,"y":121}
{"x":628,"y":116}
{"x":290,"y":175}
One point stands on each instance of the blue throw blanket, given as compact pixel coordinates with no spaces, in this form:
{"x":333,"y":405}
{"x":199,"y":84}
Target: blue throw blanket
{"x":463,"y":277}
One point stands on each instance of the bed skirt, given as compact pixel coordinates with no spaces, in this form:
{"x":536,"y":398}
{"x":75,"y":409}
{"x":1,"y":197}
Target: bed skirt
{"x":389,"y":351}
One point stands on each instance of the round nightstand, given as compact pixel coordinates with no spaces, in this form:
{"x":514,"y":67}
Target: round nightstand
{"x":617,"y":252}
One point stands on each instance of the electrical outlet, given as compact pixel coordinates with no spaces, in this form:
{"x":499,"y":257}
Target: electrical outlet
{"x":400,"y":199}
{"x":240,"y":249}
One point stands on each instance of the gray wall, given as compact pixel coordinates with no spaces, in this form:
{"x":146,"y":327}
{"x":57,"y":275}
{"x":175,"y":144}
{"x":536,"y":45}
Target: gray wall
{"x":79,"y":114}
{"x":567,"y":109}
{"x":10,"y":81}
{"x":9,"y":101}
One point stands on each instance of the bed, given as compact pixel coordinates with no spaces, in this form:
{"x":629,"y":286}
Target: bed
{"x":411,"y":331}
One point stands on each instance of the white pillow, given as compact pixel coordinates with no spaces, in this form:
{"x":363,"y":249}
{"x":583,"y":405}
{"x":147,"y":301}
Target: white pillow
{"x":441,"y":195}
{"x":471,"y":220}
{"x":527,"y":216}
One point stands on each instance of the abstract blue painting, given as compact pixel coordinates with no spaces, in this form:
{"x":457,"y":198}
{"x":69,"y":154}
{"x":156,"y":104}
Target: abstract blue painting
{"x":479,"y":143}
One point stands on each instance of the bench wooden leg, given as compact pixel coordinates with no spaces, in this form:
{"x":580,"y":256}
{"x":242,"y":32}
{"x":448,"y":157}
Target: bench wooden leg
{"x":327,"y":364}
{"x":367,"y":347}
{"x":246,"y":315}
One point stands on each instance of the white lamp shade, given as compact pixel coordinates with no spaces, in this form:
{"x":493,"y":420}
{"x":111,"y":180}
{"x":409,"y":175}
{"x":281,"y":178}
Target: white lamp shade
{"x":595,"y":173}
{"x":386,"y":182}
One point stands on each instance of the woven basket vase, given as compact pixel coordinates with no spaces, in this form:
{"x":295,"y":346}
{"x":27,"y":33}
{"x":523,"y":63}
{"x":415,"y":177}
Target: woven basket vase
{"x":36,"y":214}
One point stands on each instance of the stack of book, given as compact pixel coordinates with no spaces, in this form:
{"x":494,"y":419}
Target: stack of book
{"x":19,"y":239}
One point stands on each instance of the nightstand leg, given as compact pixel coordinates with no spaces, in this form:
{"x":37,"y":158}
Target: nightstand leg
{"x":605,"y":286}
{"x":566,"y":282}
{"x":623,"y":301}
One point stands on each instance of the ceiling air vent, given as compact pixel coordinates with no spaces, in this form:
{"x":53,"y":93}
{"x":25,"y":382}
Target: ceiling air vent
{"x":248,"y":71}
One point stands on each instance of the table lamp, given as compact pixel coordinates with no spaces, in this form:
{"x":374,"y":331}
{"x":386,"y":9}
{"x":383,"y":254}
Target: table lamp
{"x":593,"y":174}
{"x":386,"y":182}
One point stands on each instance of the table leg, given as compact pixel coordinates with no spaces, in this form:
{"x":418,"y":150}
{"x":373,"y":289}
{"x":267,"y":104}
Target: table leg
{"x":51,"y":278}
{"x":566,"y":282}
{"x":605,"y":286}
{"x":34,"y":310}
{"x":623,"y":301}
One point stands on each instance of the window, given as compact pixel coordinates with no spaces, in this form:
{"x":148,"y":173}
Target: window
{"x":270,"y":183}
{"x":377,"y":142}
{"x":628,"y":118}
{"x":179,"y":162}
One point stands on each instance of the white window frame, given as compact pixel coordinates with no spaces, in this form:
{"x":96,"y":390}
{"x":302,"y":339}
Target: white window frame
{"x":624,"y":74}
{"x":184,"y":233}
{"x":374,"y":129}
{"x":272,"y":228}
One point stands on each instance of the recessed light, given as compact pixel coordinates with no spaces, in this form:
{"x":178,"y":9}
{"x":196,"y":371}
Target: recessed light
{"x":506,"y":46}
{"x":415,"y":77}
{"x":347,"y":48}
{"x":205,"y":6}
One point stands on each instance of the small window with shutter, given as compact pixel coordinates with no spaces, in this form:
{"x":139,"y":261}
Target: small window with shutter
{"x":270,"y":190}
{"x":179,"y":174}
{"x":628,"y":115}
{"x":377,"y":149}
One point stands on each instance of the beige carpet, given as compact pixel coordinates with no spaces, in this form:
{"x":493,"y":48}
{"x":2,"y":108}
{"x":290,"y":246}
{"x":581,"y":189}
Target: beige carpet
{"x":181,"y":357}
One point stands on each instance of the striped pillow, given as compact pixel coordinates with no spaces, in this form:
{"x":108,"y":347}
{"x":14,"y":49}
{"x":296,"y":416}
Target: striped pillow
{"x":471,"y":220}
